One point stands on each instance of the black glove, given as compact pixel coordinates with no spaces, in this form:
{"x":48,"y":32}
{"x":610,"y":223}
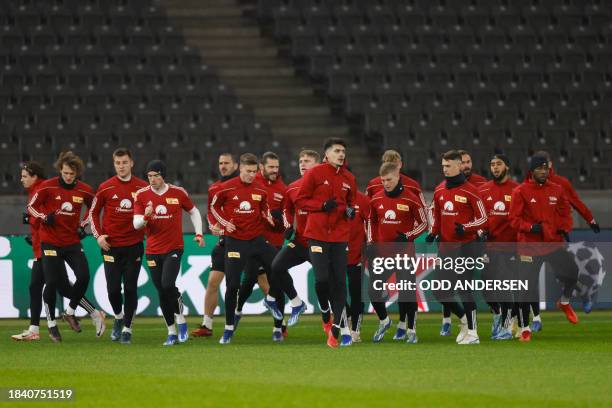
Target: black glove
{"x":595,"y":227}
{"x":431,"y":238}
{"x":25,"y":218}
{"x":221,"y":241}
{"x":350,"y":213}
{"x":329,"y":205}
{"x":289,"y":233}
{"x":536,"y":228}
{"x":81,"y":233}
{"x":277,"y":214}
{"x":28,"y":239}
{"x":564,"y":234}
{"x":401,"y":237}
{"x":50,"y":219}
{"x":484,"y":237}
{"x":459,"y":229}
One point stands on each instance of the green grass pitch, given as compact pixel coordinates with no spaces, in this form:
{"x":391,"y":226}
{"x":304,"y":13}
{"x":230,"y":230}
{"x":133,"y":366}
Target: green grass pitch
{"x":563,"y":366}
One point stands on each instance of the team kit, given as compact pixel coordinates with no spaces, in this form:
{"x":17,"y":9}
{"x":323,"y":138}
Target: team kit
{"x":265,"y":228}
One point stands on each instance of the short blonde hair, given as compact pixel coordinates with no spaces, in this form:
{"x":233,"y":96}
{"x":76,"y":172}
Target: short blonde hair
{"x":391,"y":156}
{"x":388,"y":167}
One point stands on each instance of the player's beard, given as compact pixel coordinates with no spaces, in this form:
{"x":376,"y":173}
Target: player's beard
{"x":501,"y":176}
{"x":467,"y":173}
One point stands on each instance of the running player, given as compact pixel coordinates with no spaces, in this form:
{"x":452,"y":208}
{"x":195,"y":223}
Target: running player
{"x":580,"y":207}
{"x":228,"y":169}
{"x":57,"y":206}
{"x":457,"y":214}
{"x":541,"y":213}
{"x":396,"y":215}
{"x":159,"y":207}
{"x":241,"y":207}
{"x":328,"y":193}
{"x":120,"y":243}
{"x":296,"y":251}
{"x":496,"y":196}
{"x":269,"y":178}
{"x":357,"y":239}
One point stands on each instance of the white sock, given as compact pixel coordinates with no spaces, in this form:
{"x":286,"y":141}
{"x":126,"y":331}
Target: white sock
{"x":208,"y":321}
{"x":119,"y":316}
{"x":384,"y":321}
{"x":523,"y":329}
{"x":473,"y":332}
{"x":401,"y":325}
{"x":180,"y":319}
{"x":270,"y":298}
{"x":446,"y":320}
{"x":296,"y":301}
{"x":172,"y":329}
{"x":34,"y":329}
{"x":238,"y":312}
{"x":537,"y":318}
{"x":277,"y":330}
{"x":70,"y":311}
{"x":463,"y":319}
{"x":127,"y":330}
{"x":345,"y":330}
{"x":411,"y":331}
{"x":51,"y":323}
{"x":564,"y":302}
{"x":229,"y":327}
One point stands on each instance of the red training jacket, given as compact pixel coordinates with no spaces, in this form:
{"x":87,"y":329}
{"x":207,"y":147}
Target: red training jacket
{"x":66,"y":205}
{"x":276,"y":190}
{"x":461,"y":205}
{"x":545,"y":204}
{"x":321,"y":183}
{"x":497,"y":199}
{"x":244,"y":205}
{"x":358,"y":228}
{"x":116,"y":198}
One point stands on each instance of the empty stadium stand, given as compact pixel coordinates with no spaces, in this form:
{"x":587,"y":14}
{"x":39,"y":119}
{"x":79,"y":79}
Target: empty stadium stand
{"x":427,"y":75}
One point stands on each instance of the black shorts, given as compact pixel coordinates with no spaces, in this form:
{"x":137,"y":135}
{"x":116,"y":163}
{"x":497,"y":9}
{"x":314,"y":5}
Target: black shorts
{"x":218,"y":256}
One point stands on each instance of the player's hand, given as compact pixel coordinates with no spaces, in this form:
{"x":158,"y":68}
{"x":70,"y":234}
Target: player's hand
{"x":49,"y":219}
{"x":216,"y":230}
{"x":25,"y":218}
{"x":148,"y":211}
{"x":350,"y":213}
{"x":329,"y":205}
{"x":564,"y":234}
{"x":103,"y":243}
{"x":200,"y":240}
{"x":289,"y":233}
{"x":483,"y":236}
{"x":401,"y":237}
{"x":536,"y":228}
{"x":230,"y":227}
{"x":595,"y":227}
{"x":459,"y":229}
{"x":28,"y":239}
{"x":81,"y":233}
{"x":431,"y":238}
